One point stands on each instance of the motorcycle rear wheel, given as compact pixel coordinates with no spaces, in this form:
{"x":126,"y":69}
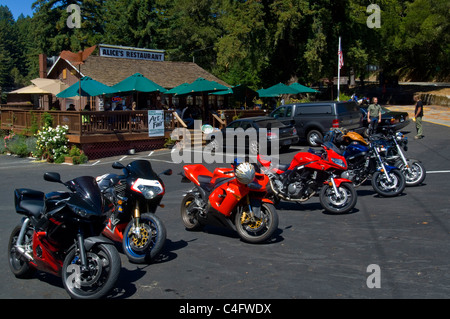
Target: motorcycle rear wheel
{"x":103,"y":271}
{"x":143,"y":248}
{"x":18,"y":265}
{"x":259,"y":230}
{"x":189,"y":213}
{"x":338,"y":205}
{"x":389,"y":189}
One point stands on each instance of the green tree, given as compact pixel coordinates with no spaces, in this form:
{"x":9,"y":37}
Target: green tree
{"x":9,"y":51}
{"x":189,"y":30}
{"x":242,"y":48}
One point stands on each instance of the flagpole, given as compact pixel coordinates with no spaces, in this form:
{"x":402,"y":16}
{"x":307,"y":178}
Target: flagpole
{"x":339,"y":69}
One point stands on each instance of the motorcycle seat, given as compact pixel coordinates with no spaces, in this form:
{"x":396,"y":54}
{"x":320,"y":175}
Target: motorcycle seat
{"x":283,"y":167}
{"x":205,"y":182}
{"x":33,"y":207}
{"x":29,"y":202}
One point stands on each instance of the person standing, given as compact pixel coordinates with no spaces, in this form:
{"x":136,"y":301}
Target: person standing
{"x":418,"y":114}
{"x":373,"y":115}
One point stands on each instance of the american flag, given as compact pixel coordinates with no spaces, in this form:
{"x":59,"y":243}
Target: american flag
{"x":341,"y":56}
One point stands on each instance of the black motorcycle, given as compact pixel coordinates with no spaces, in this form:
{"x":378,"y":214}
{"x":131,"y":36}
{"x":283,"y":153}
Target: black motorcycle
{"x":60,"y":234}
{"x":413,"y":169}
{"x":135,"y":197}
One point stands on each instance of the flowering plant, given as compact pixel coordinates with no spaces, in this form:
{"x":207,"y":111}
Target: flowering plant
{"x":7,"y":139}
{"x":51,"y":142}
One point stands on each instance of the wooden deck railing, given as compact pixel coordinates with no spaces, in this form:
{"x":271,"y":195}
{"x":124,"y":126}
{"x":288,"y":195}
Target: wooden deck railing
{"x":86,"y":123}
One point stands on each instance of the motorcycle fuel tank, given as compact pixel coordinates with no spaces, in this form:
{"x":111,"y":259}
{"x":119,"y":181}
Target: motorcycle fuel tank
{"x":355,"y":149}
{"x":303,"y":158}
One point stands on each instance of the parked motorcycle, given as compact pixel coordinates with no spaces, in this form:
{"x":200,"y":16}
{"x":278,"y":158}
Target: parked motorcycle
{"x":310,"y":173}
{"x":135,"y":197}
{"x":60,"y":235}
{"x":367,"y":160}
{"x":229,"y":197}
{"x":413,"y":169}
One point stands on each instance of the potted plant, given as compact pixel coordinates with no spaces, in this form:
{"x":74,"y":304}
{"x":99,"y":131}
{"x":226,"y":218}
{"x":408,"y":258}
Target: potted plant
{"x":75,"y":156}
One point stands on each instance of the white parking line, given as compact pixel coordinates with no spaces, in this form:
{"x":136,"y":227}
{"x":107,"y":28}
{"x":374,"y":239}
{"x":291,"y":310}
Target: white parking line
{"x":437,"y":172}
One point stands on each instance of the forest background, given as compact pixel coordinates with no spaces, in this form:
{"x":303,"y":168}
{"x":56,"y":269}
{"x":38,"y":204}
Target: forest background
{"x":250,"y":42}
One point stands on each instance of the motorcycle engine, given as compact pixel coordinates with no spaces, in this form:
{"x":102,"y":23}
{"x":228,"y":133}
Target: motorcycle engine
{"x":357,"y":176}
{"x":298,"y":185}
{"x":294,"y":189}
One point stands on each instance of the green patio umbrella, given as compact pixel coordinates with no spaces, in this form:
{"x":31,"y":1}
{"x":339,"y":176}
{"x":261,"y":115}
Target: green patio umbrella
{"x":302,"y":89}
{"x":224,"y":92}
{"x":138,"y":83}
{"x":200,"y":85}
{"x":176,"y":89}
{"x":277,"y":90}
{"x":89,"y":87}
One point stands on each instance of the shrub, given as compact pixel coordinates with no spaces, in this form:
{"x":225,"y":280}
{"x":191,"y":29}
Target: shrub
{"x":51,"y":142}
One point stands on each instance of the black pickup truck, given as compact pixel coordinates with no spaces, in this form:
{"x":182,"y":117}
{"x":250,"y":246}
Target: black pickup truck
{"x":313,"y":120}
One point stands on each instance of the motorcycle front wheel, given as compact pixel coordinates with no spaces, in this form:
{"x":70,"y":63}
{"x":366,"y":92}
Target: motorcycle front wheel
{"x":257,"y":230}
{"x":341,"y":204}
{"x":387,"y":188}
{"x":103,"y":268}
{"x":416,"y":173}
{"x":143,"y":244}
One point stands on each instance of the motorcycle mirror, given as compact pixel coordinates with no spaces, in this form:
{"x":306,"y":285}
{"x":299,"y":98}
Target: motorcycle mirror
{"x":52,"y":177}
{"x":167,"y":172}
{"x":118,"y":165}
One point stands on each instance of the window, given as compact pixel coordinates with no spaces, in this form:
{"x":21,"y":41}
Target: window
{"x":316,"y":109}
{"x":279,"y":112}
{"x":245,"y":125}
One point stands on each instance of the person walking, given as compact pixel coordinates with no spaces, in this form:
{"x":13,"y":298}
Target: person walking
{"x":418,"y":114}
{"x":373,"y":116}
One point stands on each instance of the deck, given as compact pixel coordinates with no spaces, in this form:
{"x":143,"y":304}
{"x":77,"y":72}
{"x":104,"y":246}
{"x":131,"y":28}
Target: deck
{"x":108,"y":133}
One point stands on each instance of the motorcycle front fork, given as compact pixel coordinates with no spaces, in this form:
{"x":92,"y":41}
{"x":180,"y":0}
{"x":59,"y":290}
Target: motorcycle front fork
{"x":404,"y":160}
{"x":82,"y":251}
{"x":383,"y":168}
{"x":136,"y":230}
{"x":333,"y":184}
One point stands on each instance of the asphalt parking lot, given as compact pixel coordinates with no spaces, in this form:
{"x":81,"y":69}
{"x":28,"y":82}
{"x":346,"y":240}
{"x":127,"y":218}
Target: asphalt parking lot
{"x":314,"y":255}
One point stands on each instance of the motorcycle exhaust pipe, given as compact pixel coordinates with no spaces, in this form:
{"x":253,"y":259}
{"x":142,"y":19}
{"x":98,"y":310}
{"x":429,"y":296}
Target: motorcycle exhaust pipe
{"x":284,"y":197}
{"x":24,"y":253}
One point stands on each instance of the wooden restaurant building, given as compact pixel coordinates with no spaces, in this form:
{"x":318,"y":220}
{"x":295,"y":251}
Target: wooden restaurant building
{"x":109,"y":127}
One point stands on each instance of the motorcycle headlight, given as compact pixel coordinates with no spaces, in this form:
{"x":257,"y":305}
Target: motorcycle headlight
{"x":399,"y":136}
{"x":338,"y":161}
{"x":149,"y":188}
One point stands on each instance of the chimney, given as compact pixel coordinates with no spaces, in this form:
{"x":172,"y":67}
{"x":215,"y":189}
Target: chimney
{"x":42,"y":66}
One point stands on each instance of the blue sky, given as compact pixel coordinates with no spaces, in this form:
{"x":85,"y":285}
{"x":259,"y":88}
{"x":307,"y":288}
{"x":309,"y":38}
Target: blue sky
{"x":18,"y":6}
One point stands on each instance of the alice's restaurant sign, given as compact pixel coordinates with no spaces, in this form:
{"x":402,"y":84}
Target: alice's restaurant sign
{"x":113,"y":51}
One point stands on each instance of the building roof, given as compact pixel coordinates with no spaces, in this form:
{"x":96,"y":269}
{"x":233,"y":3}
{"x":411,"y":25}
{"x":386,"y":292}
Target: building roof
{"x":168,"y":74}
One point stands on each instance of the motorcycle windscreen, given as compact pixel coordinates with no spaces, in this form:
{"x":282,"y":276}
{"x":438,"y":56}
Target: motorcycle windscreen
{"x":87,"y":196}
{"x":142,"y":169}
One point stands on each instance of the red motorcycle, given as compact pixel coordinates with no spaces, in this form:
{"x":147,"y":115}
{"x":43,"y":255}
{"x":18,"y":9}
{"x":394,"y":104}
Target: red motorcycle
{"x":229,"y":197}
{"x":310,"y":173}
